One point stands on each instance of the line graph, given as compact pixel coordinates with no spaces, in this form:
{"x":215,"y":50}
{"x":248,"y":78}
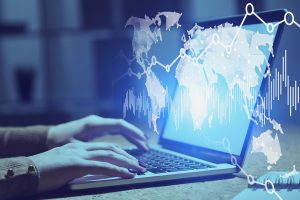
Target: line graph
{"x":224,"y":106}
{"x":249,"y":10}
{"x":278,"y":83}
{"x":282,"y":80}
{"x":268,"y":184}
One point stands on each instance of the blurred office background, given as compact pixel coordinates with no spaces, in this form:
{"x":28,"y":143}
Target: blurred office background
{"x":59,"y":58}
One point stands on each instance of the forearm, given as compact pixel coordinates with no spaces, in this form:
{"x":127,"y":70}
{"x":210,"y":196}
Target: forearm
{"x":23,"y":141}
{"x":18,"y":177}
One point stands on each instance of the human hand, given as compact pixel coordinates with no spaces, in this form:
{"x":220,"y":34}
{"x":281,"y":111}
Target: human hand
{"x":93,"y":126}
{"x":62,"y":164}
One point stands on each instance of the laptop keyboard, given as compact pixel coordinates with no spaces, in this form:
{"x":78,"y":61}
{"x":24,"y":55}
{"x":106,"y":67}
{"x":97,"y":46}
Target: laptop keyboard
{"x":161,"y":162}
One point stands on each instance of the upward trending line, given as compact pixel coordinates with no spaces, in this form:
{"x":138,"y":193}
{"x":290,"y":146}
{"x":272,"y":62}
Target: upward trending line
{"x":249,"y":10}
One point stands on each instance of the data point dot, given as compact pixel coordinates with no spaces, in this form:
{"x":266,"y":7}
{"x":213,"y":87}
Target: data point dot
{"x":249,"y":9}
{"x":168,"y":68}
{"x":226,"y":144}
{"x":182,"y":53}
{"x":148,"y":71}
{"x":286,"y":16}
{"x":233,"y":160}
{"x":153,"y":60}
{"x":270,"y":28}
{"x":250,"y":179}
{"x":228,"y":49}
{"x":269,"y":190}
{"x":129,"y":72}
{"x":215,"y":38}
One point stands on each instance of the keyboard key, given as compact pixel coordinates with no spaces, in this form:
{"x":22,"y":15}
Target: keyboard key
{"x":141,"y":163}
{"x":156,"y":170}
{"x":161,"y":162}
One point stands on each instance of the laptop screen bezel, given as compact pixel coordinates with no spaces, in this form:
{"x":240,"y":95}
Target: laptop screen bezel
{"x":214,"y":155}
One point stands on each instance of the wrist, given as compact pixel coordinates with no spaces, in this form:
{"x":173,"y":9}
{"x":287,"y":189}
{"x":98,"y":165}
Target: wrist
{"x":52,"y":139}
{"x":36,"y":163}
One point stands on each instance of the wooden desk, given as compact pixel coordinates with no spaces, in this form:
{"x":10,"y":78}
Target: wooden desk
{"x":214,"y":189}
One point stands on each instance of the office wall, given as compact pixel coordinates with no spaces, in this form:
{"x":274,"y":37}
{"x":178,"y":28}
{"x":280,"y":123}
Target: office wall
{"x":20,"y":52}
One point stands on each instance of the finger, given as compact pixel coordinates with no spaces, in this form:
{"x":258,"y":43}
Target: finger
{"x":132,"y":134}
{"x":131,"y":130}
{"x":106,"y":146}
{"x":119,"y":125}
{"x":114,"y":158}
{"x":140,"y":144}
{"x":96,"y":167}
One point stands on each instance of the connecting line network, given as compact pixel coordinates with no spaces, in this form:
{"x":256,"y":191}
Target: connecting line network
{"x":249,"y":9}
{"x":268,"y":184}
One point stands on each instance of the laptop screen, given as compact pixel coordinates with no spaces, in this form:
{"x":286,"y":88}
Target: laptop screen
{"x":216,"y":96}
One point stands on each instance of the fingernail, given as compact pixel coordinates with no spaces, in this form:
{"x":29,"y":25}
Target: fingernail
{"x":144,"y":169}
{"x":144,"y":146}
{"x":133,"y":171}
{"x":131,"y":175}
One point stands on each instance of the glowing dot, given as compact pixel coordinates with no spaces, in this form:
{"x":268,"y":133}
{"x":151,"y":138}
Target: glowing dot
{"x":268,"y":182}
{"x":148,"y":72}
{"x":228,"y":49}
{"x":249,"y":9}
{"x":233,"y":160}
{"x":129,"y":72}
{"x":153,"y":60}
{"x":182,"y":52}
{"x":270,"y":28}
{"x":168,"y":68}
{"x":215,"y":38}
{"x":250,"y":179}
{"x":286,"y":18}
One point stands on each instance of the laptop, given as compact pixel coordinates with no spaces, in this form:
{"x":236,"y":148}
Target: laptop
{"x":185,"y":152}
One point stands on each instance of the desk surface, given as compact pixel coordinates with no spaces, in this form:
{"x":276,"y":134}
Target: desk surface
{"x":214,"y":189}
